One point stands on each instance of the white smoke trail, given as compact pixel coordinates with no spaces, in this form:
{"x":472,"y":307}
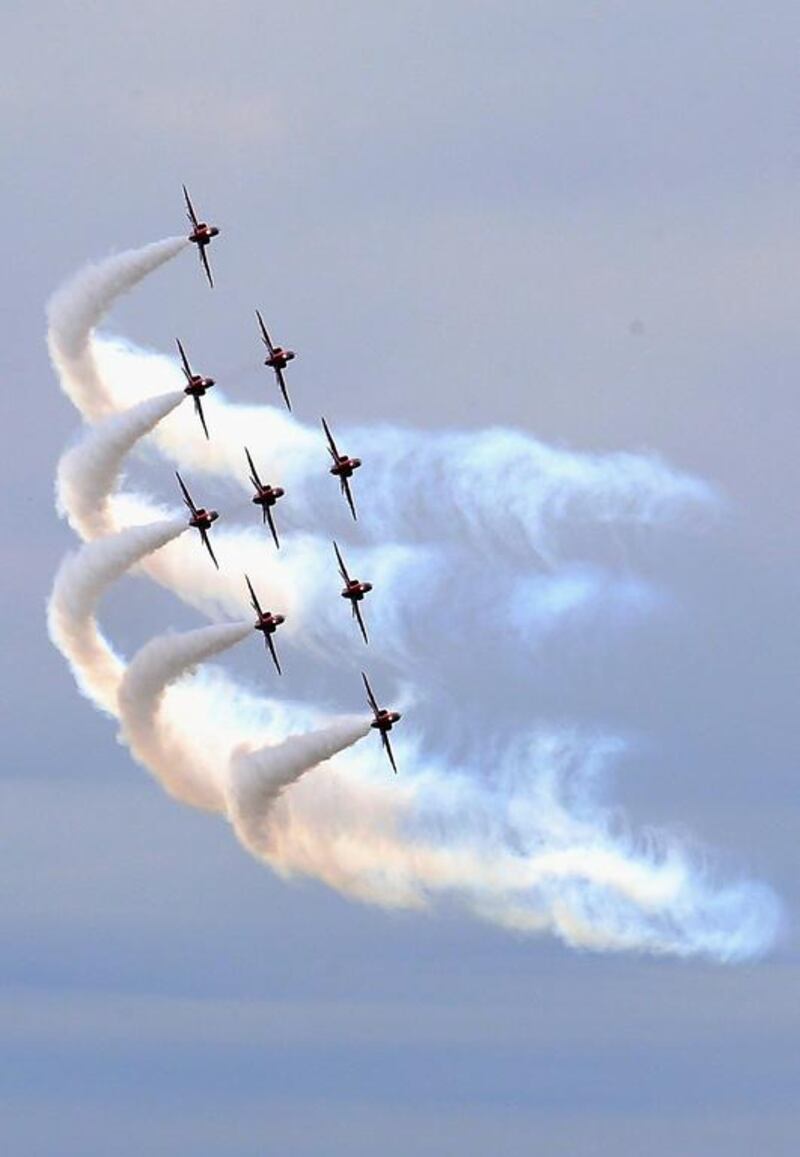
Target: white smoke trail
{"x":162,"y":741}
{"x":528,"y":850}
{"x":89,"y":471}
{"x":258,"y":777}
{"x":80,"y":583}
{"x":80,"y":305}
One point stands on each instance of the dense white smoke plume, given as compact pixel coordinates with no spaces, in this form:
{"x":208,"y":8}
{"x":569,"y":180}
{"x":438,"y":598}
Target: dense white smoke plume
{"x":260,"y":776}
{"x":161,"y":742}
{"x":88,"y":472}
{"x":80,"y":583}
{"x":79,"y":306}
{"x":524,"y":844}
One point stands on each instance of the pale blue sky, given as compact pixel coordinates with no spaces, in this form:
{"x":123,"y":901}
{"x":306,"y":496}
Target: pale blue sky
{"x":482,"y":199}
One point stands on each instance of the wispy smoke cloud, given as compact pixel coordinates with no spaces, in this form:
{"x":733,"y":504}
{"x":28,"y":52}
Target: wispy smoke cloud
{"x":525,"y":843}
{"x":498,"y":489}
{"x":411,"y":581}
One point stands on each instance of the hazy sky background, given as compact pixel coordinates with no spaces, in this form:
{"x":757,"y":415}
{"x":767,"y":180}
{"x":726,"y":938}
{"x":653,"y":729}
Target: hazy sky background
{"x":578,"y":219}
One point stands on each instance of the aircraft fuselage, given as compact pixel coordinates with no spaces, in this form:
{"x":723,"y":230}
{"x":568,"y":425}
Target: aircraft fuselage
{"x":385,"y":720}
{"x":345,"y":466}
{"x":203,"y":518}
{"x":203,"y":233}
{"x":279,"y":358}
{"x":268,"y":496}
{"x":197,"y":387}
{"x":356,"y":590}
{"x":268,"y":624}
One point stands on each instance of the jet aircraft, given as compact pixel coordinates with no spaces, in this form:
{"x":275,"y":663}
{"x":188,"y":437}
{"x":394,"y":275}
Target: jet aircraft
{"x":383,"y":722}
{"x":195,"y":387}
{"x":265,"y":496}
{"x":201,"y":519}
{"x":200,"y":235}
{"x":278,"y":359}
{"x":343,"y":467}
{"x":267,"y":623}
{"x":354,"y":591}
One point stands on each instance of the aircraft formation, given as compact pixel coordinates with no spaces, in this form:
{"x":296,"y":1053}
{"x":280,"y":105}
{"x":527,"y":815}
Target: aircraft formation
{"x":266,"y":496}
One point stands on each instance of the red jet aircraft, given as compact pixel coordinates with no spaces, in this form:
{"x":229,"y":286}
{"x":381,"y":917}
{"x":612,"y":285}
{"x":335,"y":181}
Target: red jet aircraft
{"x":200,"y":235}
{"x":384,"y":721}
{"x":354,"y":591}
{"x":201,"y":519}
{"x":195,"y":387}
{"x":265,"y":497}
{"x":267,"y":623}
{"x":278,"y":359}
{"x":343,"y":467}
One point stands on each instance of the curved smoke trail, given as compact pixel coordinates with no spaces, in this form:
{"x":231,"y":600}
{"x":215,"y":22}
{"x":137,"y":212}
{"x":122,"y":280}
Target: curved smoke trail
{"x":259,"y":777}
{"x":80,"y":305}
{"x":89,"y":471}
{"x":80,"y":583}
{"x":160,"y":741}
{"x":527,"y":847}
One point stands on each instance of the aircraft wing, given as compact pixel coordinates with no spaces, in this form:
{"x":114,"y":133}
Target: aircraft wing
{"x":187,"y":498}
{"x":272,"y":651}
{"x":331,"y":444}
{"x":198,"y":407}
{"x":254,"y":478}
{"x":268,"y":518}
{"x":342,"y":567}
{"x":360,"y":621}
{"x":209,"y":548}
{"x":187,"y":369}
{"x":388,"y":747}
{"x":372,"y":701}
{"x":346,"y":491}
{"x":204,"y":263}
{"x":264,"y":335}
{"x":190,"y":213}
{"x":284,"y":391}
{"x":253,"y":599}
